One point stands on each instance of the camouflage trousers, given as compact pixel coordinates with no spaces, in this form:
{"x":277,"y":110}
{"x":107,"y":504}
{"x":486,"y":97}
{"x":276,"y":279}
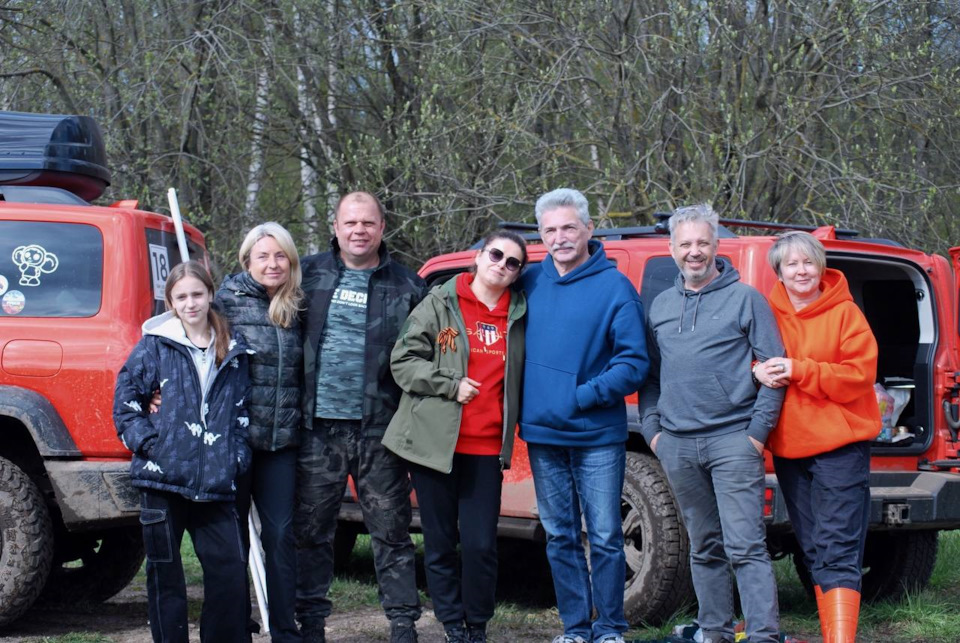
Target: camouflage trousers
{"x":329,"y":453}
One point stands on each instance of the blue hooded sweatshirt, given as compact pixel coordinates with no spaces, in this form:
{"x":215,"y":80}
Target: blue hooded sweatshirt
{"x":586,"y":350}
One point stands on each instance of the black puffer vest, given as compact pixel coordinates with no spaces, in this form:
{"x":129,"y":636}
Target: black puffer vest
{"x":275,"y":368}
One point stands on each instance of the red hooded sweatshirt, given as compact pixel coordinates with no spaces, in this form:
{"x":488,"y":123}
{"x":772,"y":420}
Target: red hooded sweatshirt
{"x":830,"y":401}
{"x":481,"y":423}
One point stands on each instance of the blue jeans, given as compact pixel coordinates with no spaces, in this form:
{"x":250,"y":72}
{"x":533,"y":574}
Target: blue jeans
{"x":718,"y":482}
{"x":569,"y":480}
{"x":828,"y":499}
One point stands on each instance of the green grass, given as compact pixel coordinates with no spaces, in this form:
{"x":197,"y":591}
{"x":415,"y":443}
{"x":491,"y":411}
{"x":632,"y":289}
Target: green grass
{"x":526,"y":598}
{"x":930,"y":616}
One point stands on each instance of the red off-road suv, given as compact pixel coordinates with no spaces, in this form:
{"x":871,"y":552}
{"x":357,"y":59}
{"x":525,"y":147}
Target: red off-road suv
{"x":911,"y":301}
{"x":76,"y":282}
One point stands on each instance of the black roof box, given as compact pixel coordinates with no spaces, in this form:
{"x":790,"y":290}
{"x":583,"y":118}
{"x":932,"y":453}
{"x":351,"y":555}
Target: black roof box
{"x":53,"y":150}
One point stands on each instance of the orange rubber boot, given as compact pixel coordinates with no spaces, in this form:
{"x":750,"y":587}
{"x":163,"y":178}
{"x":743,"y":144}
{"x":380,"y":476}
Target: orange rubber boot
{"x":839,"y":614}
{"x":821,"y":610}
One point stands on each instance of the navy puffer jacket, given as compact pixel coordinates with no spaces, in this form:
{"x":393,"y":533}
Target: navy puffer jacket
{"x":276,"y":368}
{"x":192,"y":446}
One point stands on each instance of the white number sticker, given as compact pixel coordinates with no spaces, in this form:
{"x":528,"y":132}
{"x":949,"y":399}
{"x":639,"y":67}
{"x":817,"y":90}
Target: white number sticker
{"x":159,"y":268}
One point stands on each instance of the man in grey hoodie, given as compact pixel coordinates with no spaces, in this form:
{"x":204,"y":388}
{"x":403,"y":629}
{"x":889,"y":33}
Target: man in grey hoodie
{"x":706,"y":421}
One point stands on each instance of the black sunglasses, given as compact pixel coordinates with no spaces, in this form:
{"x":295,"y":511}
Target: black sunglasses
{"x":496,"y":256}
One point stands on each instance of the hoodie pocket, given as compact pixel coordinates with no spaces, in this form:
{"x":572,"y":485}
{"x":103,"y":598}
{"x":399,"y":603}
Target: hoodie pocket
{"x":693,"y":402}
{"x":550,"y":397}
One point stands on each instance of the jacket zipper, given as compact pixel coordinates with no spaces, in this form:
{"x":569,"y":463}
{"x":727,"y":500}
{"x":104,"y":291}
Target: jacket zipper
{"x":276,"y":405}
{"x":506,"y":387}
{"x":203,"y":416}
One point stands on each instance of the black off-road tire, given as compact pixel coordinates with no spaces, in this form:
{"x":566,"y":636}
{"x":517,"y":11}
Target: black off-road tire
{"x":26,"y":542}
{"x":894,"y":563}
{"x":90,"y":568}
{"x":656,"y":545}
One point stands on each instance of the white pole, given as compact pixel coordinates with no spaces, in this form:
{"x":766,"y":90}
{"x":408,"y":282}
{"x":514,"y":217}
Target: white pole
{"x":256,"y":568}
{"x":256,"y":547}
{"x":178,"y":224}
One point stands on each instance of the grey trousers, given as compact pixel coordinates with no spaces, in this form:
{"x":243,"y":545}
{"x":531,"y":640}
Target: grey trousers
{"x":719,"y":482}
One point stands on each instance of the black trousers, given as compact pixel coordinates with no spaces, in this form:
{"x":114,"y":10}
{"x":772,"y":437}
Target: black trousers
{"x":468,"y":496}
{"x":271,"y":482}
{"x":828,"y":499}
{"x":328,"y":454}
{"x":215,"y":531}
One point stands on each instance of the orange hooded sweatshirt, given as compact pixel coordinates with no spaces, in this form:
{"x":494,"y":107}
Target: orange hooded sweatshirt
{"x":830,"y":401}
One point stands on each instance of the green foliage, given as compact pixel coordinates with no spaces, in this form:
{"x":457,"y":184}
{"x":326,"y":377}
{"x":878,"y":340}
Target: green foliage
{"x":458,"y":113}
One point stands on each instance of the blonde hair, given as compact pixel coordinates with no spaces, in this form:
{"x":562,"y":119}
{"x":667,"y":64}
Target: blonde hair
{"x":285,"y":303}
{"x":804,"y":243}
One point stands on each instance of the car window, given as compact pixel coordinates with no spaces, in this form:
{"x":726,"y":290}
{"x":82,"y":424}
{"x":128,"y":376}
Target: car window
{"x":50,"y":269}
{"x":164,"y":254}
{"x":658,"y":275}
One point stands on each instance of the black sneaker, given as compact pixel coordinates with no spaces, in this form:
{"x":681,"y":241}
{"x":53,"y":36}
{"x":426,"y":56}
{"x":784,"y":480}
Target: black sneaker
{"x":476,"y":634}
{"x":403,"y":632}
{"x":455,"y":634}
{"x":313,"y":631}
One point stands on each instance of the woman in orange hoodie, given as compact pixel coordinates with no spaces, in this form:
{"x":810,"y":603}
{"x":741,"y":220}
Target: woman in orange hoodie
{"x":821,"y":445}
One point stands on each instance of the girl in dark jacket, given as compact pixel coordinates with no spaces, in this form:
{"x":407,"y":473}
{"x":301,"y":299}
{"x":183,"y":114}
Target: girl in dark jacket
{"x":262,"y":305}
{"x":187,"y":456}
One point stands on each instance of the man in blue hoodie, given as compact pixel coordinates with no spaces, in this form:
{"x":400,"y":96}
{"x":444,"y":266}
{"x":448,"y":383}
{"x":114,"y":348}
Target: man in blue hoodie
{"x":586,"y":350}
{"x":706,"y":420}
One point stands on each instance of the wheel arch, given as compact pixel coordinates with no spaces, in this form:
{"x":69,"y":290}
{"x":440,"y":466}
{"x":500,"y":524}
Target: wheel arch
{"x":36,"y":414}
{"x":82,"y":494}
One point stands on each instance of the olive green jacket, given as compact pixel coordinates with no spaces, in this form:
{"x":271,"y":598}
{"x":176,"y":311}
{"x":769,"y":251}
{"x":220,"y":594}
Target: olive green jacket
{"x":425,"y":428}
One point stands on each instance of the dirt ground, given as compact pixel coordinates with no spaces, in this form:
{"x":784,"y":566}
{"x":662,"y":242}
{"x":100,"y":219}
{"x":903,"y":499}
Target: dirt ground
{"x":123,"y":619}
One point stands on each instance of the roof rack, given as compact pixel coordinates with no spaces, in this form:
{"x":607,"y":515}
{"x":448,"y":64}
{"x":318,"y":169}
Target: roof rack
{"x":529,"y":230}
{"x":770,"y":225}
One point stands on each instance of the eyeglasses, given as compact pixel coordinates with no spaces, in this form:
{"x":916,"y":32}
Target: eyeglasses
{"x":496,"y":256}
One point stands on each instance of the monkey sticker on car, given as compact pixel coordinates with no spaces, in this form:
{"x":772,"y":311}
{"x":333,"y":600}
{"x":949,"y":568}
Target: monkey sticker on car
{"x":34,"y":260}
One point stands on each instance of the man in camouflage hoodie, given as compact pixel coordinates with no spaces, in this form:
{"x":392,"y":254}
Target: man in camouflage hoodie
{"x":357,"y":300}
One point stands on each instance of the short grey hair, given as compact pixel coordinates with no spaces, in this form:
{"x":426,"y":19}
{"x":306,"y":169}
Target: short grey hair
{"x":700,"y":213}
{"x":799,"y":241}
{"x":563,"y":197}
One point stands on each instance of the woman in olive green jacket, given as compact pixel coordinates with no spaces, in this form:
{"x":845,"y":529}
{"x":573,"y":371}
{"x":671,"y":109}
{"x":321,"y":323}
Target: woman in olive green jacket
{"x":459,"y":361}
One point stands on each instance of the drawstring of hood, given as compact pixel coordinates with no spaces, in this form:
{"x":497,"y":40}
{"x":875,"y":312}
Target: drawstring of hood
{"x":683,"y":307}
{"x":726,"y":275}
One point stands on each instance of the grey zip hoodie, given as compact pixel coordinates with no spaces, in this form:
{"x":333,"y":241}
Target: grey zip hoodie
{"x":702,"y":345}
{"x":169,"y":325}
